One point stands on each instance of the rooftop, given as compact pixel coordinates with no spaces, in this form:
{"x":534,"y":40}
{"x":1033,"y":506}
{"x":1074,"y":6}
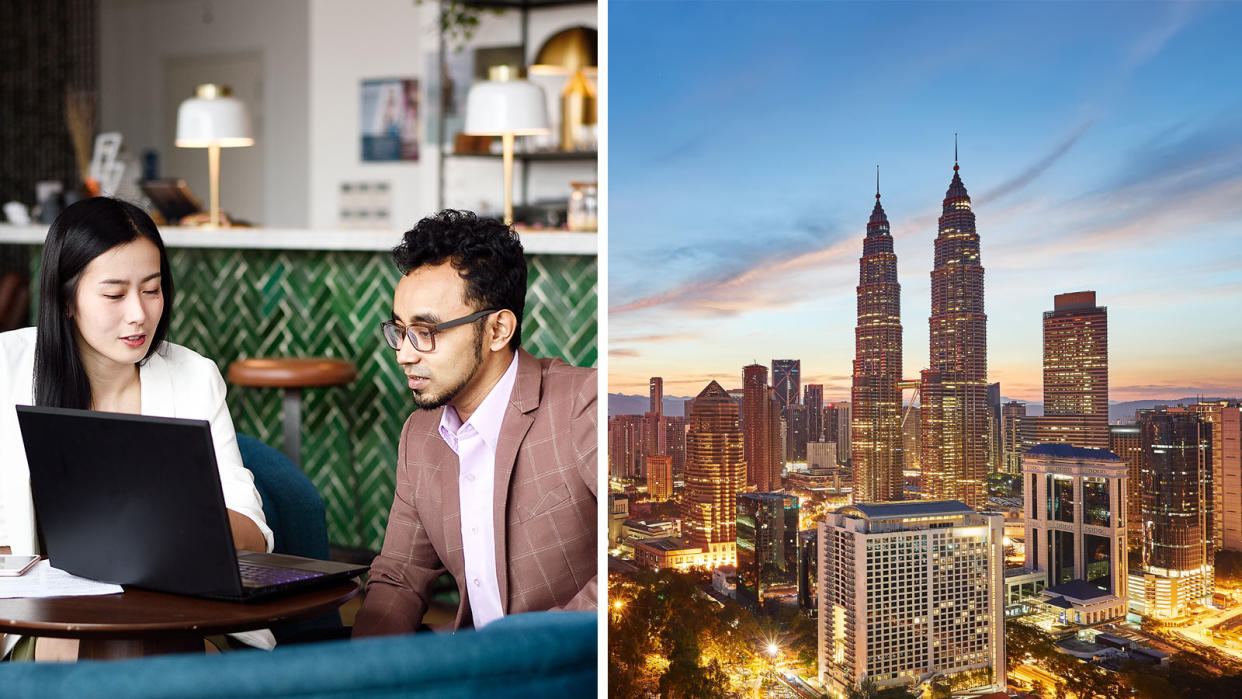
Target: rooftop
{"x":665,"y":544}
{"x":1068,"y":451}
{"x":1078,"y":589}
{"x":921,"y":508}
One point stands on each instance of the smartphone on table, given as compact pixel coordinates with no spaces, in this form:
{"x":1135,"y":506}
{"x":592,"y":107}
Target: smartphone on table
{"x":12,"y":566}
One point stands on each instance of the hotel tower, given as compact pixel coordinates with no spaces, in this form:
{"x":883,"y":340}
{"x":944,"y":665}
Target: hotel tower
{"x":955,"y":386}
{"x":876,"y":439}
{"x":911,"y":591}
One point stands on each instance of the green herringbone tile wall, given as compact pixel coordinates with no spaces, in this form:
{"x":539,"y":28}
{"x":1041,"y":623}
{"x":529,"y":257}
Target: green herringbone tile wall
{"x":233,"y":304}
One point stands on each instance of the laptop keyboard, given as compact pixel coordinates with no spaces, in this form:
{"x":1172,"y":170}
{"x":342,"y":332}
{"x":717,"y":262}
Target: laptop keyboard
{"x":261,"y":576}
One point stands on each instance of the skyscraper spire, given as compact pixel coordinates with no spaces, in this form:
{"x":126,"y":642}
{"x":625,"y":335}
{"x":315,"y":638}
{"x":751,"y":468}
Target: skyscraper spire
{"x":875,"y":422}
{"x":954,"y":387}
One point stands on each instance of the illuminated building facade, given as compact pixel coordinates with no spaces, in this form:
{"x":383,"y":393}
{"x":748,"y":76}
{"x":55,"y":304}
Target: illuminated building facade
{"x":1074,"y":516}
{"x":954,"y":387}
{"x":1176,"y":501}
{"x":659,"y":478}
{"x":910,"y":590}
{"x":715,"y":473}
{"x":1075,"y":372}
{"x":1125,"y":441}
{"x":1226,"y":471}
{"x":767,"y":548}
{"x":1011,"y":442}
{"x":787,"y":382}
{"x":875,"y":424}
{"x":761,"y":427}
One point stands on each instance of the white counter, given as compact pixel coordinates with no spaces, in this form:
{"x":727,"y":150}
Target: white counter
{"x":534,"y":242}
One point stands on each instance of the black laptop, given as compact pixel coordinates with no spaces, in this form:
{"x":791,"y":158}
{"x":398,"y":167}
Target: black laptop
{"x":136,"y":500}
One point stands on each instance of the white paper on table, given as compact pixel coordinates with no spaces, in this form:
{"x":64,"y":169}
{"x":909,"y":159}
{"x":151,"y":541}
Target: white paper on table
{"x":45,"y":581}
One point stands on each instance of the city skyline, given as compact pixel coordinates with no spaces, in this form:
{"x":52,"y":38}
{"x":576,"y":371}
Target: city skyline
{"x":1094,"y":158}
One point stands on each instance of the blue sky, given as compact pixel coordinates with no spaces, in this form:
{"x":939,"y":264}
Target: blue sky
{"x":1101,"y":144}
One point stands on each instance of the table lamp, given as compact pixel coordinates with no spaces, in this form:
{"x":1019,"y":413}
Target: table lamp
{"x":572,"y":52}
{"x":505,"y":106}
{"x":213,"y":119}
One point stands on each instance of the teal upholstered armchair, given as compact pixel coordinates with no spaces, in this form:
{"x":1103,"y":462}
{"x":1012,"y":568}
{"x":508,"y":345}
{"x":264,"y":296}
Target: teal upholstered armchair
{"x":295,"y":512}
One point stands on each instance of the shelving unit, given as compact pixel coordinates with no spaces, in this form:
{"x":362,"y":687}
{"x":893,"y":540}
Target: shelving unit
{"x":524,"y":7}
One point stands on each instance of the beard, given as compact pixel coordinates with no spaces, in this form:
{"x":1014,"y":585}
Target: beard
{"x":431,"y":398}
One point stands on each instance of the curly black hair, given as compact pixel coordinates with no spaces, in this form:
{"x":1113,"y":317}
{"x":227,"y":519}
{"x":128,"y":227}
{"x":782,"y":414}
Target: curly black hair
{"x":485,"y":252}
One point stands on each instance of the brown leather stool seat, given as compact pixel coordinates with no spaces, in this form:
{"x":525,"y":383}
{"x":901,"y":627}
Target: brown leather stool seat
{"x":292,"y":374}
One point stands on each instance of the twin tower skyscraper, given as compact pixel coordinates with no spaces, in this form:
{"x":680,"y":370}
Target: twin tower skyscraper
{"x":953,"y":389}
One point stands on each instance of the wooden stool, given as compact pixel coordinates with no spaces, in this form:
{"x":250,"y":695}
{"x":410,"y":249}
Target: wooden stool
{"x":292,"y":374}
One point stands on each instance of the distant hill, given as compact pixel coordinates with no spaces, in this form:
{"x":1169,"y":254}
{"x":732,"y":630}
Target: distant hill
{"x":624,"y":404}
{"x":1124,"y":412}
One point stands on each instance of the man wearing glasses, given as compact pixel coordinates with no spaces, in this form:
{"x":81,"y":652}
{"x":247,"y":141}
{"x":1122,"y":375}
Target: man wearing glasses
{"x":496,"y":472}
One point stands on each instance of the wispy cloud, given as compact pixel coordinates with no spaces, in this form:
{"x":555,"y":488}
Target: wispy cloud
{"x":1024,"y":178}
{"x":758,"y":281}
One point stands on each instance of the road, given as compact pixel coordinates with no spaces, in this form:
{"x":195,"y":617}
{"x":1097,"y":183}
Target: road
{"x":1032,"y":673}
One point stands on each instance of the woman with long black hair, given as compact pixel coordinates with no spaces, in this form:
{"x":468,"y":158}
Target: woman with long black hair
{"x":105,"y":305}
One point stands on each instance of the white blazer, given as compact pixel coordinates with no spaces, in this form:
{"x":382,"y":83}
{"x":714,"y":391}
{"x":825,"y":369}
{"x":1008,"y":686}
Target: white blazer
{"x":176,"y":382}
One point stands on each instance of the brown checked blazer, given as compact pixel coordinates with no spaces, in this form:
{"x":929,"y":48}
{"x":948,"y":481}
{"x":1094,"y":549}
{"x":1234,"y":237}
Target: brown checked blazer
{"x":544,"y":507}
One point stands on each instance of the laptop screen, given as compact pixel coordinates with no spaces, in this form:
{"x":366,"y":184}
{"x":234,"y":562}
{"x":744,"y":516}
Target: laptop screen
{"x":130,"y":499}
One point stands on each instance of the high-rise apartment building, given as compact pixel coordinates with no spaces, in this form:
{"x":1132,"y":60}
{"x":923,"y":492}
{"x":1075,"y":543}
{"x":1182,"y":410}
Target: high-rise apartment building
{"x":910,"y":425}
{"x":1226,"y":471}
{"x":1074,"y":503}
{"x":909,"y":591}
{"x":832,"y":417}
{"x":955,"y":384}
{"x":787,"y":382}
{"x":875,"y":429}
{"x":655,"y":390}
{"x":625,"y":446}
{"x":1011,"y":437}
{"x":659,"y":478}
{"x":675,"y":443}
{"x":1176,"y":501}
{"x":1075,"y":372}
{"x":813,"y":399}
{"x":796,"y":432}
{"x":808,"y":580}
{"x":761,"y":429}
{"x":767,"y":548}
{"x":1125,"y":441}
{"x":715,"y":474}
{"x":994,"y":428}
{"x":844,"y":420}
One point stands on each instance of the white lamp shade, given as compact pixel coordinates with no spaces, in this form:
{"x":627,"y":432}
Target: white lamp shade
{"x":494,"y":108}
{"x":220,"y":121}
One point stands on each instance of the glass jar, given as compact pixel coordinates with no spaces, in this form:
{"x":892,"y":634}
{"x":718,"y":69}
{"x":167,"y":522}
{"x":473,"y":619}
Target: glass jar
{"x":584,"y":207}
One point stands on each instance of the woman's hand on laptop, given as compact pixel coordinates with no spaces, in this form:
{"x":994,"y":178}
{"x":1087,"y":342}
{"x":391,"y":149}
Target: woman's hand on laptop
{"x":246,"y":534}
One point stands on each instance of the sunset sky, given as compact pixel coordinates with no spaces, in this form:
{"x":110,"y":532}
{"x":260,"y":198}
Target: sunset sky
{"x":1101,"y":145}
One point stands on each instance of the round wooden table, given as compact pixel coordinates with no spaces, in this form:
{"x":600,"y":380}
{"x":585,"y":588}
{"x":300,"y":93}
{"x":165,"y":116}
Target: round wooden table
{"x":141,"y":622}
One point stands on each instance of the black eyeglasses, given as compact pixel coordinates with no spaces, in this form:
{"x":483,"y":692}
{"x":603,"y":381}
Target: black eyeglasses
{"x":423,"y":335}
